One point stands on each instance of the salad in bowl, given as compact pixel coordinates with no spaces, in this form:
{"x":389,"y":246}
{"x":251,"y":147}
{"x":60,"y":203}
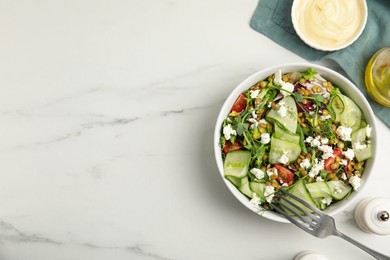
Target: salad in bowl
{"x":305,"y":129}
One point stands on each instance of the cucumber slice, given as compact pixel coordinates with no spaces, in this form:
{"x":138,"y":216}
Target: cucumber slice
{"x":285,"y":135}
{"x":300,"y":191}
{"x":235,"y":181}
{"x":322,"y":202}
{"x":258,"y":188}
{"x":337,"y":105}
{"x":290,"y":120}
{"x":359,"y":137}
{"x":236,"y":163}
{"x":318,"y":189}
{"x":244,"y":187}
{"x":363,"y":154}
{"x":280,"y":147}
{"x":338,"y":189}
{"x":351,"y":116}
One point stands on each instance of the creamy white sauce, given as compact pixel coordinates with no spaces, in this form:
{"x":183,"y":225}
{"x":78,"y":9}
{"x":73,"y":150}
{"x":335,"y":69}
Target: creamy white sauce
{"x":329,"y":23}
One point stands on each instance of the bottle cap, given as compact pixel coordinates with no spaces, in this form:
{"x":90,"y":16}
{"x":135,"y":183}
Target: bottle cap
{"x":372,"y":215}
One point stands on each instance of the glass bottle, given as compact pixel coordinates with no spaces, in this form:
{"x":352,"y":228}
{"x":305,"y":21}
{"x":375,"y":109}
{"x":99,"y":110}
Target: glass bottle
{"x":377,"y":76}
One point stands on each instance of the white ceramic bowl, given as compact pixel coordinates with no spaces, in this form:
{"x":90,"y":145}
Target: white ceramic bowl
{"x":316,"y":26}
{"x":346,"y":87}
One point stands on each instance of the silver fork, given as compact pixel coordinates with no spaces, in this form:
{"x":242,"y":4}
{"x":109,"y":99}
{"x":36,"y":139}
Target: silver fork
{"x":316,"y":222}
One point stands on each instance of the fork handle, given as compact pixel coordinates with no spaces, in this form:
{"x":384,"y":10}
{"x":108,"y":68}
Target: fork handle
{"x":374,"y":253}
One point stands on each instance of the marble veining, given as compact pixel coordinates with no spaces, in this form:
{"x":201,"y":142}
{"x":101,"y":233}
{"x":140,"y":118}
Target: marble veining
{"x":11,"y":234}
{"x":8,"y":233}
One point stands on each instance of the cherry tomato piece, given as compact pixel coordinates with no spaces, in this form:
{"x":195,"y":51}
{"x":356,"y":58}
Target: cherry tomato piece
{"x":284,"y":174}
{"x":331,"y":160}
{"x":240,"y":104}
{"x":229,"y":146}
{"x":328,"y":162}
{"x":337,"y":152}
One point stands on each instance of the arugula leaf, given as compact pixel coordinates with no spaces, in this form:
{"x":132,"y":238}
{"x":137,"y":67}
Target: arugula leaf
{"x":309,"y":73}
{"x":248,"y":98}
{"x":258,"y":156}
{"x":301,"y":139}
{"x":240,"y":129}
{"x":324,"y":174}
{"x":298,"y":97}
{"x":233,"y":138}
{"x":331,"y":111}
{"x":335,"y":91}
{"x":328,"y":131}
{"x":318,"y":98}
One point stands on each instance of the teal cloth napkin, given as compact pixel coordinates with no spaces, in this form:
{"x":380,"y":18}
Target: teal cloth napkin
{"x":273,"y":19}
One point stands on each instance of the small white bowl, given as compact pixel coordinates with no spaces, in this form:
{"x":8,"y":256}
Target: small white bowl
{"x":346,"y":87}
{"x":324,"y":28}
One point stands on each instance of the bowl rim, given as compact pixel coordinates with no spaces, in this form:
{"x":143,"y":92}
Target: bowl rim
{"x":295,"y":9}
{"x":347,"y":86}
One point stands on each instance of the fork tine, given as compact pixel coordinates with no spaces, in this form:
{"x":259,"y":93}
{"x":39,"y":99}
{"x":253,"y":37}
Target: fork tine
{"x":291,"y":219}
{"x":297,"y":214}
{"x":297,"y":207}
{"x":303,"y":202}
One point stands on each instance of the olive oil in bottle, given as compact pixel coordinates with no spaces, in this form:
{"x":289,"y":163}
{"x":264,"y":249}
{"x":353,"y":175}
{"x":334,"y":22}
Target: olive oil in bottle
{"x":377,"y":76}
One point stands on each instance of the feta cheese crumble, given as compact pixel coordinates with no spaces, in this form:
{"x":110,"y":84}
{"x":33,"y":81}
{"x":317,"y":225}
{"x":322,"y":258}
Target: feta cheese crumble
{"x":254,"y":115}
{"x":287,"y":87}
{"x":255,"y":200}
{"x":349,"y":154}
{"x":337,"y":190}
{"x":324,"y":140}
{"x":271,"y":172}
{"x":228,"y":131}
{"x":278,"y":77}
{"x":254,"y":122}
{"x":315,"y":143}
{"x":269,"y":193}
{"x":309,"y":139}
{"x":327,"y":151}
{"x":265,"y":138}
{"x":254,"y":93}
{"x":258,"y":173}
{"x":326,"y":200}
{"x":344,"y":133}
{"x":323,"y":118}
{"x":368,"y":131}
{"x":316,"y":168}
{"x":305,"y":164}
{"x":343,"y":162}
{"x":355,"y":182}
{"x":358,"y":146}
{"x":283,"y":159}
{"x":282,"y":111}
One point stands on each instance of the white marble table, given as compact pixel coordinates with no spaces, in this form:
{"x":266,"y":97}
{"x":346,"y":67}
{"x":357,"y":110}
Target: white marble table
{"x":107,"y":110}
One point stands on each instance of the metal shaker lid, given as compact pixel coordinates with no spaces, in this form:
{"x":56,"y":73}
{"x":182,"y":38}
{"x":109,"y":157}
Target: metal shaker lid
{"x":372,"y":215}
